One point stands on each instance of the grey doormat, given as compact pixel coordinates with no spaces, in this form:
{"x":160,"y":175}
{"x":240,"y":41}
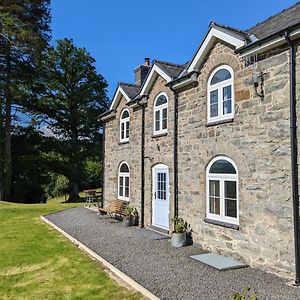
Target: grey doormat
{"x":153,"y":235}
{"x":219,"y":262}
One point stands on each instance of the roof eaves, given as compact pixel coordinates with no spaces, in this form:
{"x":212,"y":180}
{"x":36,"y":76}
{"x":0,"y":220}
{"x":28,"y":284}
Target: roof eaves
{"x":267,"y":38}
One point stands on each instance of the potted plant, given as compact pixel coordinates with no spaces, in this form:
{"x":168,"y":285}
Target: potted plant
{"x":129,"y":216}
{"x":179,"y":234}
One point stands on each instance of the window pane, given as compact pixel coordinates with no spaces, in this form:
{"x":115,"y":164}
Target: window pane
{"x":121,"y":186}
{"x":227,"y":100}
{"x":122,"y":131}
{"x":214,"y":97}
{"x":161,"y":100}
{"x":124,"y":168}
{"x":221,"y":75}
{"x":230,"y":208}
{"x":214,"y":197}
{"x":127,"y":129}
{"x":214,"y":205}
{"x":127,"y":186}
{"x":164,"y":118}
{"x":157,"y":120}
{"x":230,"y":189}
{"x":214,"y":103}
{"x":222,"y":166}
{"x":125,"y":114}
{"x":214,"y":188}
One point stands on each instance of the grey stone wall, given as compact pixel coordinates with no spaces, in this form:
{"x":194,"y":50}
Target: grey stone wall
{"x":160,"y":149}
{"x":258,"y":141}
{"x":115,"y":153}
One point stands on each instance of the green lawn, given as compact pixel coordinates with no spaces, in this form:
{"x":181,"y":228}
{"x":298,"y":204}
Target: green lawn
{"x":36,"y":262}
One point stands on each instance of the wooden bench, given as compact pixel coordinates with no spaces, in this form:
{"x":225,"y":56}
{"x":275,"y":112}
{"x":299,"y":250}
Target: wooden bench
{"x":115,"y":207}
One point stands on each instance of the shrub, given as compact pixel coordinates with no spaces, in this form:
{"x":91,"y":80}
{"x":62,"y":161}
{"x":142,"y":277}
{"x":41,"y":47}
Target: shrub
{"x":179,"y":225}
{"x":57,"y":186}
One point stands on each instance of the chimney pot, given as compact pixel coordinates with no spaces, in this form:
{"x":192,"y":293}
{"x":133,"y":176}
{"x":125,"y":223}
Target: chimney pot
{"x":147,"y":62}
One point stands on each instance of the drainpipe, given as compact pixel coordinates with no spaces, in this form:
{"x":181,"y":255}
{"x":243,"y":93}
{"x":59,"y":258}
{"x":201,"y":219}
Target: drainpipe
{"x":294,"y":153}
{"x":103,"y":166}
{"x":142,"y":165}
{"x":175,"y":157}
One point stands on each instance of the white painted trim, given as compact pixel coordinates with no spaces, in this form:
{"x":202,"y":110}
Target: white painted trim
{"x":155,"y":71}
{"x":111,"y":115}
{"x":124,"y":121}
{"x":119,"y":92}
{"x":212,"y":35}
{"x":116,"y":272}
{"x":123,"y":175}
{"x":222,"y":178}
{"x":270,"y":44}
{"x":160,"y":109}
{"x":163,"y":168}
{"x":219,"y":87}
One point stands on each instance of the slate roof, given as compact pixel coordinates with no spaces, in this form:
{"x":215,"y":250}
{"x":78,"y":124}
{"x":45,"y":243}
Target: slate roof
{"x":282,"y":20}
{"x":234,"y":30}
{"x":173,"y":70}
{"x":131,"y":90}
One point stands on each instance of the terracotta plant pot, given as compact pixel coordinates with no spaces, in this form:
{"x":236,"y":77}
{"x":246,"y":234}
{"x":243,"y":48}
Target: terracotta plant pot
{"x":178,"y":239}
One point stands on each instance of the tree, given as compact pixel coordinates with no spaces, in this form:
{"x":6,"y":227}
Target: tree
{"x":69,"y":97}
{"x":24,"y":32}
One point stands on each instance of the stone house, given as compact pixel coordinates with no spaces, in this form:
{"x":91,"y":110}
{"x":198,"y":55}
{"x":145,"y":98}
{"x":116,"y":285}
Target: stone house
{"x":215,"y":142}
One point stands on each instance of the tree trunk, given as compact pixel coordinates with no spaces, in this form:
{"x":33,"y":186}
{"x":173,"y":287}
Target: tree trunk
{"x":73,"y":193}
{"x":7,"y":131}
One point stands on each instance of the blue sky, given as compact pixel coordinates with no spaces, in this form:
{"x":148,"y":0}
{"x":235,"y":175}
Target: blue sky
{"x":120,"y":34}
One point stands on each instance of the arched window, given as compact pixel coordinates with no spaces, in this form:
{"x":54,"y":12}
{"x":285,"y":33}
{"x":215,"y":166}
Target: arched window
{"x":123,"y":188}
{"x":222,"y":203}
{"x":124,"y":126}
{"x":220,"y":94}
{"x":161,"y":114}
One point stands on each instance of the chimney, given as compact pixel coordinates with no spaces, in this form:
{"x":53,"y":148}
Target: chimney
{"x":141,"y":72}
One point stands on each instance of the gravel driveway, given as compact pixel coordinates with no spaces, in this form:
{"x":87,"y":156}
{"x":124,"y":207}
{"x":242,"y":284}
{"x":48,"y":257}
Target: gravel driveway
{"x":167,"y":272}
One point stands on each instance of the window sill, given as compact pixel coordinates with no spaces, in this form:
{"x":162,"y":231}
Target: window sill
{"x":158,"y":135}
{"x":222,"y":224}
{"x":213,"y":123}
{"x":124,"y":142}
{"x":122,"y":199}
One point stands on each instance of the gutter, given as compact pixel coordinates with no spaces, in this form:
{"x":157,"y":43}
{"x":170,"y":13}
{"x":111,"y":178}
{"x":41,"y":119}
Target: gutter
{"x":269,"y":42}
{"x":294,"y":153}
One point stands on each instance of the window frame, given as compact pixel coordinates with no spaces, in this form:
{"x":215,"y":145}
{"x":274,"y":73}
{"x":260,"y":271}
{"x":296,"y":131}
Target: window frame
{"x":123,"y":175}
{"x":160,"y":108}
{"x":219,"y":87}
{"x":222,"y":178}
{"x":126,"y":122}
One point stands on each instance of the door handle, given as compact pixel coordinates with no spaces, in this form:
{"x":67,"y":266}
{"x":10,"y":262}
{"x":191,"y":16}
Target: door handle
{"x":154,"y":195}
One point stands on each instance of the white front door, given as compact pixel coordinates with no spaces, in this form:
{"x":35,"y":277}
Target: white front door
{"x":160,"y":202}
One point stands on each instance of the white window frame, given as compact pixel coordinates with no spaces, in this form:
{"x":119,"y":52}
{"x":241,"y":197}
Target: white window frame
{"x":222,"y":178}
{"x":126,"y":123}
{"x":160,"y":109}
{"x":123,"y":175}
{"x":219,"y":86}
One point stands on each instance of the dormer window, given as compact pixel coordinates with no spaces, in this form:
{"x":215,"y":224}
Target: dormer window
{"x":220,"y":95}
{"x":160,"y":114}
{"x":124,"y":126}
